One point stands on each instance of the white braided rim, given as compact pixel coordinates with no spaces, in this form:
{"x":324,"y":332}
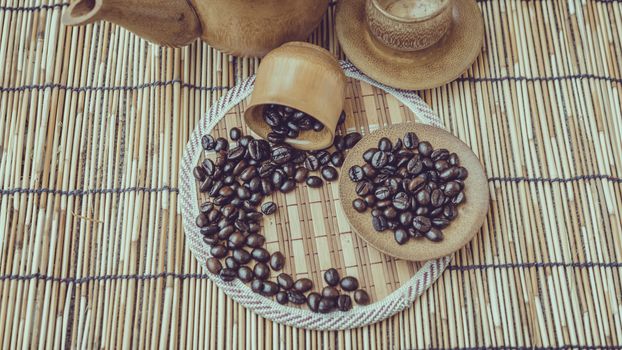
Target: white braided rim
{"x":397,"y":301}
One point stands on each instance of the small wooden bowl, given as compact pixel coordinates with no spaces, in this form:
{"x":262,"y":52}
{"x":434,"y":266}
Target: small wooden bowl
{"x":471,"y":213}
{"x":301,"y":76}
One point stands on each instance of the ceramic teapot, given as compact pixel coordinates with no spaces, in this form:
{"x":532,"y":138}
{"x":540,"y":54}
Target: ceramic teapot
{"x":239,"y":27}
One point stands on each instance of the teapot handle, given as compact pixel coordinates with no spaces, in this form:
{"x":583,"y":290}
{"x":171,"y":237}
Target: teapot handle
{"x":166,"y":22}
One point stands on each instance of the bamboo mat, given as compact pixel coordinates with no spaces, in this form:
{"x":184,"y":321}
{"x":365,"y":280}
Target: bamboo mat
{"x":93,"y":122}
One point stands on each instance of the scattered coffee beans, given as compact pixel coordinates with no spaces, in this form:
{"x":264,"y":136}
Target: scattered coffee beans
{"x":238,"y":179}
{"x":411,"y":188}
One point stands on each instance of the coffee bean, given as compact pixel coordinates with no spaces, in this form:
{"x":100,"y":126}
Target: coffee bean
{"x":406,"y":218}
{"x":361,"y":297}
{"x":260,"y":254}
{"x":411,"y":141}
{"x":245,"y":274}
{"x":312,"y":163}
{"x":323,"y":157}
{"x":268,"y":208}
{"x":281,"y":154}
{"x":352,"y":139}
{"x":317,"y":126}
{"x":331,"y":276}
{"x":202,"y":220}
{"x":440,"y":223}
{"x":384,"y":144}
{"x":425,"y":148}
{"x":285,"y":281}
{"x":313,"y":301}
{"x":281,"y":298}
{"x":364,"y":188}
{"x":330,"y":292}
{"x":434,"y":235}
{"x":277,"y":261}
{"x":228,"y":274}
{"x":199,"y":173}
{"x":379,"y":159}
{"x":266,"y":187}
{"x":356,"y":173}
{"x":382,"y":193}
{"x":257,"y":286}
{"x":370,"y":200}
{"x":379,"y":223}
{"x":221,"y":145}
{"x":359,"y":205}
{"x":269,"y":288}
{"x":209,"y":230}
{"x":401,"y":201}
{"x":423,"y":197}
{"x":288,"y":186}
{"x":303,"y":284}
{"x":248,"y":173}
{"x":237,"y":240}
{"x":231,"y":263}
{"x":219,"y":251}
{"x":329,"y":173}
{"x":326,"y":305}
{"x":261,"y":271}
{"x":301,"y":174}
{"x":422,"y":211}
{"x":241,"y":256}
{"x":208,"y":142}
{"x":439,"y":154}
{"x":458,"y":198}
{"x":275,"y":138}
{"x":278,"y":178}
{"x":422,"y":224}
{"x":337,"y":159}
{"x":450,"y":212}
{"x":296,"y":297}
{"x":314,"y":182}
{"x":213,"y":265}
{"x":401,"y":236}
{"x":453,"y":159}
{"x":344,"y":302}
{"x":235,"y":134}
{"x":349,"y":283}
{"x":235,"y":154}
{"x":339,"y":143}
{"x":389,"y":212}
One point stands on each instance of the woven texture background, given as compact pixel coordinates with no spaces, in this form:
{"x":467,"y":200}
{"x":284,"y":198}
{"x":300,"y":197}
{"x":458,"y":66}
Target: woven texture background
{"x":93,"y":122}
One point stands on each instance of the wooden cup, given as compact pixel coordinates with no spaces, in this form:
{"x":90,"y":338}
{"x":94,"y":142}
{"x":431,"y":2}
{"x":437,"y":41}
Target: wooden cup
{"x":408,"y":25}
{"x":304,"y":77}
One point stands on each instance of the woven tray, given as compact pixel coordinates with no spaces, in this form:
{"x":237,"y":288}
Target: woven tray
{"x":310,"y":227}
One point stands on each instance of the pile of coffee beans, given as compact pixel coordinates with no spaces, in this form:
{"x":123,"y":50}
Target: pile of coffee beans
{"x":410,"y":188}
{"x":287,"y":123}
{"x":237,"y":180}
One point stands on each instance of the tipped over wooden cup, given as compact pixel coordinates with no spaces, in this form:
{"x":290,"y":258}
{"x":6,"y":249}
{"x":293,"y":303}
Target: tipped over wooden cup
{"x":304,"y":77}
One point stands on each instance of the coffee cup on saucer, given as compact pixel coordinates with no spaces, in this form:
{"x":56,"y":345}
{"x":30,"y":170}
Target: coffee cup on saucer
{"x":408,"y":25}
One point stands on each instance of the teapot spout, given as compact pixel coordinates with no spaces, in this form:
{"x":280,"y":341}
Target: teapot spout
{"x":166,"y":22}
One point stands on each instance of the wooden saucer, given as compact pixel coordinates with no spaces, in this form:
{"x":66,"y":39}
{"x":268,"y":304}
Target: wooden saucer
{"x":471,"y":213}
{"x":425,"y":69}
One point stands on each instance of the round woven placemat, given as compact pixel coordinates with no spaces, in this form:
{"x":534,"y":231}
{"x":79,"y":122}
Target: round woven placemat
{"x":309,"y":225}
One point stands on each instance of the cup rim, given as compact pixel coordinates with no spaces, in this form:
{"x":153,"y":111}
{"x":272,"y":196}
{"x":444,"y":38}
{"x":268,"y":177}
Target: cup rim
{"x":441,"y":8}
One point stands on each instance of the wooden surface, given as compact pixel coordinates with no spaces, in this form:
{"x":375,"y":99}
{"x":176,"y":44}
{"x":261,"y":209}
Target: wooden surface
{"x":93,"y":122}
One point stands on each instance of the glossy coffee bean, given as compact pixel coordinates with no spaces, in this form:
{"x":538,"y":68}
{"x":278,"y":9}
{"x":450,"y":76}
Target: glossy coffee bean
{"x":331,"y":277}
{"x":326,"y":305}
{"x":364,"y":188}
{"x":213,"y":265}
{"x":237,"y":240}
{"x":434,"y":235}
{"x":330,"y":292}
{"x":268,"y":208}
{"x":296,"y":297}
{"x":313,"y":301}
{"x":261,"y":271}
{"x":235,"y":134}
{"x":241,"y":256}
{"x":245,"y":274}
{"x":228,"y":274}
{"x":208,"y":142}
{"x":303,"y":285}
{"x":359,"y":205}
{"x":219,"y":251}
{"x":285,"y":281}
{"x":231,"y":263}
{"x":349,"y":283}
{"x":301,"y":174}
{"x":337,"y":159}
{"x":352,"y":139}
{"x":356,"y":173}
{"x":385,"y":145}
{"x":344,"y":302}
{"x":401,"y":236}
{"x":314,"y":182}
{"x":277,"y":261}
{"x":255,"y":240}
{"x":361,"y":297}
{"x":260,"y":255}
{"x":202,"y":220}
{"x":329,"y":173}
{"x":281,"y":298}
{"x":257,"y":286}
{"x":422,"y":224}
{"x":269,"y":288}
{"x":312,"y":163}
